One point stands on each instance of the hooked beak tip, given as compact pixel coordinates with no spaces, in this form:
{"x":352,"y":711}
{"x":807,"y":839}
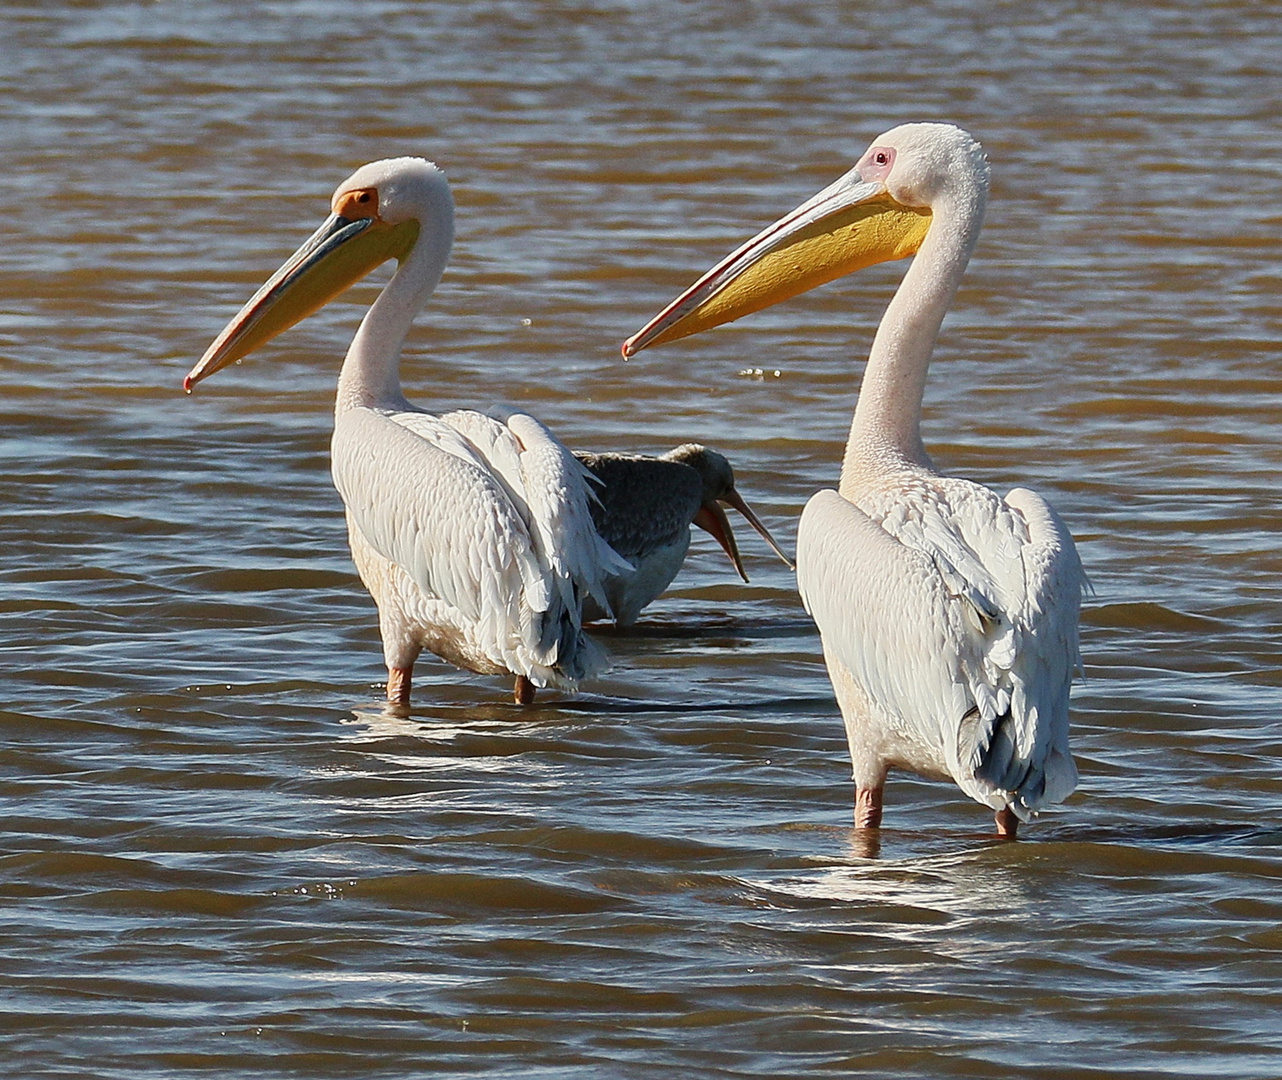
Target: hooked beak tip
{"x":733,"y":498}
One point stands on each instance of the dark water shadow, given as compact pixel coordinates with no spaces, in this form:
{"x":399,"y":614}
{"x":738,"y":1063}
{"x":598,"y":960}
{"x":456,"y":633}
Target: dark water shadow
{"x":687,"y":628}
{"x":585,"y":705}
{"x":607,"y":706}
{"x":1186,"y":833}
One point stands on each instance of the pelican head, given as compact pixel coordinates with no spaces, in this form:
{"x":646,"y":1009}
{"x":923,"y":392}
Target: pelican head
{"x":880,"y":210}
{"x":376,"y":215}
{"x":718,"y":487}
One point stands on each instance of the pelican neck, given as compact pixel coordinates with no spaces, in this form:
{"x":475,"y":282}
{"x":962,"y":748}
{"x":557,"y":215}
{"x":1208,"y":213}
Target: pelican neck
{"x":371,"y":373}
{"x":885,"y":434}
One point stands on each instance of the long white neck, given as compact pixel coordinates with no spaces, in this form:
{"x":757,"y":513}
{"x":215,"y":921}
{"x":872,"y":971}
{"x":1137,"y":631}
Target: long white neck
{"x":371,"y":374}
{"x":885,"y":436}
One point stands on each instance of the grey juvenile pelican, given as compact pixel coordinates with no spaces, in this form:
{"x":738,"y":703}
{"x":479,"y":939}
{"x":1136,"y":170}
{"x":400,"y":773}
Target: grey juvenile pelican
{"x":644,"y":509}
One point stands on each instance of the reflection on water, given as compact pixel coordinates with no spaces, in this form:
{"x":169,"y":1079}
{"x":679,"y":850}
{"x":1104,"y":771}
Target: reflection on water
{"x":962,"y":886}
{"x":223,"y":856}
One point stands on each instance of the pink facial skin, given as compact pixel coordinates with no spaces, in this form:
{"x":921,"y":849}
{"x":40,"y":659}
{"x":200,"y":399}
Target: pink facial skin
{"x":877,"y":163}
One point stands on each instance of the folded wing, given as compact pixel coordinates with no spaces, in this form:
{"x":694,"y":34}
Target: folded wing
{"x":956,"y":613}
{"x":487,"y":516}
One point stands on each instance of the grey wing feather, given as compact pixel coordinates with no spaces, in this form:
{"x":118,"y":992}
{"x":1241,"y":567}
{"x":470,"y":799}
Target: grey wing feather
{"x":642,"y":503}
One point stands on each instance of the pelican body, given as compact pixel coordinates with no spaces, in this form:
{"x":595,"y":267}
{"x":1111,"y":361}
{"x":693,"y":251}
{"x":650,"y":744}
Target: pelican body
{"x":644,"y":508}
{"x":948,"y":614}
{"x":472,"y":532}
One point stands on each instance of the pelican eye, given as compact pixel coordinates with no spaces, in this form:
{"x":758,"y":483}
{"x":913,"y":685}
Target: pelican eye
{"x":358,"y":203}
{"x":877,"y":163}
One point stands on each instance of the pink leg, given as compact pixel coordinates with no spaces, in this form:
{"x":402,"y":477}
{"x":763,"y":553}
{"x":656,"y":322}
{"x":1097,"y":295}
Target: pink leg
{"x":523,"y":691}
{"x":398,"y":685}
{"x":1007,"y":823}
{"x":868,"y":807}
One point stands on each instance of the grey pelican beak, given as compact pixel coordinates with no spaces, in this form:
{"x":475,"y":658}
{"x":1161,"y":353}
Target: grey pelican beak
{"x":736,"y":500}
{"x":712,"y":520}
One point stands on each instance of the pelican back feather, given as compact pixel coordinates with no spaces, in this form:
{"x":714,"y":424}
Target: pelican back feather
{"x":955,"y":613}
{"x":455,"y":514}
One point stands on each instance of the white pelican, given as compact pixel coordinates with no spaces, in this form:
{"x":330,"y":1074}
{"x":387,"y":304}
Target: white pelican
{"x":644,"y":509}
{"x":472,"y":532}
{"x":948,"y":615}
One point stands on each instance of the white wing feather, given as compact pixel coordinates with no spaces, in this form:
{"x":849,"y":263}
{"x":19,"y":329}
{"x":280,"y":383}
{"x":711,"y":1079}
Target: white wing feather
{"x":883,"y":610}
{"x":956,"y":614}
{"x":449,"y":500}
{"x":1052,"y":605}
{"x":555,"y":487}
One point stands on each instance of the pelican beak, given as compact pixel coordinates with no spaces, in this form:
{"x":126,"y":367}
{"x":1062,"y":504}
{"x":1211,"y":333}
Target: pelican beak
{"x":736,"y":500}
{"x":712,"y":520}
{"x":851,"y":224}
{"x":338,"y":254}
